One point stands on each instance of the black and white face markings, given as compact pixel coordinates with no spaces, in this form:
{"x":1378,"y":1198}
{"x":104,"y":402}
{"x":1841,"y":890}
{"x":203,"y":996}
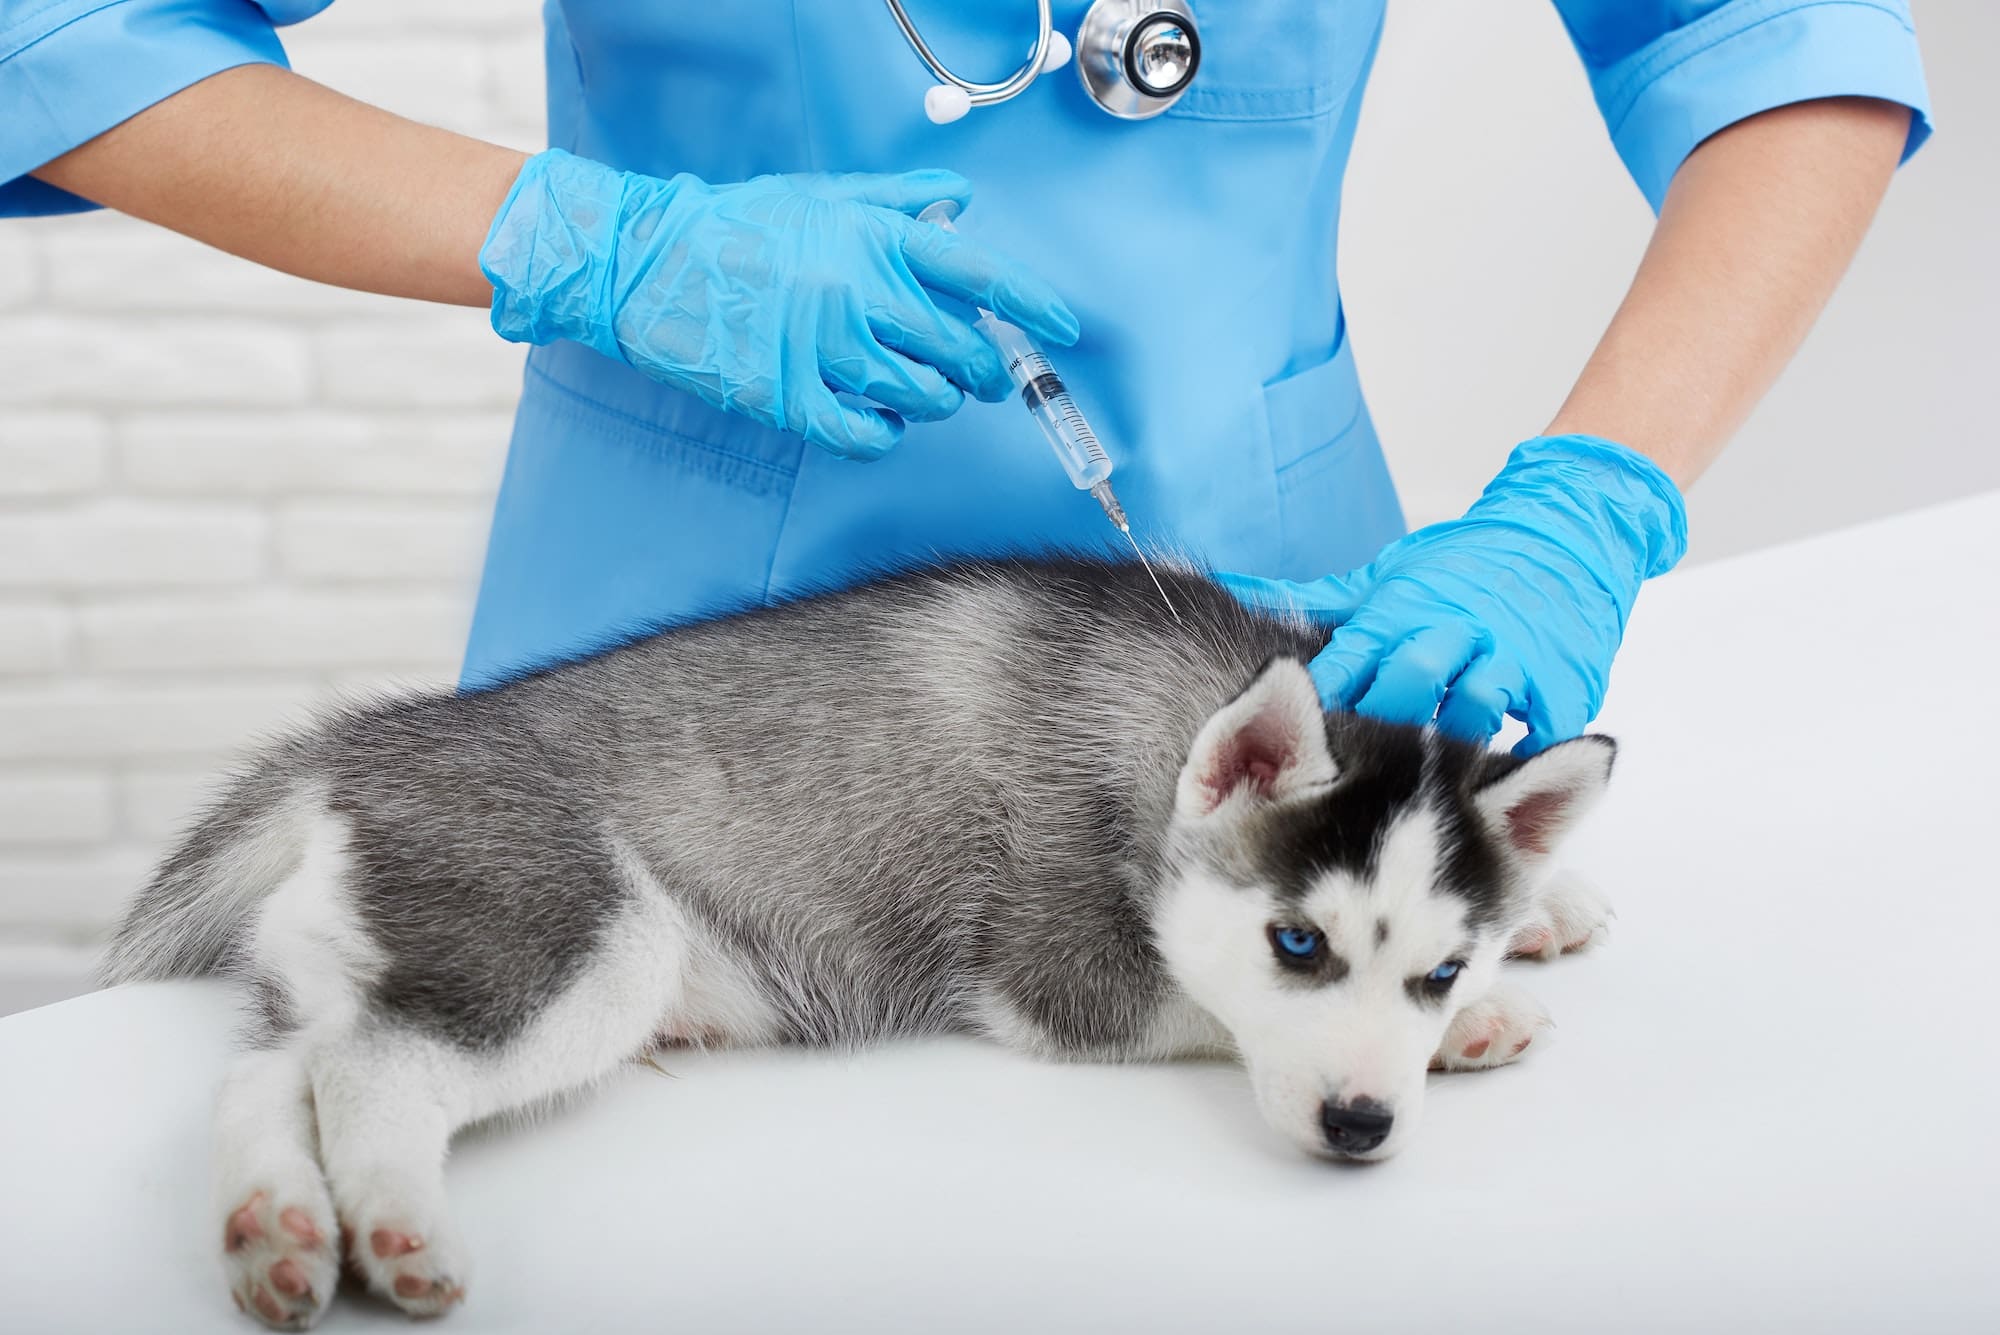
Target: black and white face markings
{"x":1387,"y":917}
{"x":1305,"y":957}
{"x":1345,"y":889}
{"x":1395,"y":828}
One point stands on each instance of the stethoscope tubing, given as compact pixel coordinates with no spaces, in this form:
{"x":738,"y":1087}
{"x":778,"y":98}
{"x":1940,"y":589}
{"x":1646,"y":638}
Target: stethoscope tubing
{"x":982,"y":94}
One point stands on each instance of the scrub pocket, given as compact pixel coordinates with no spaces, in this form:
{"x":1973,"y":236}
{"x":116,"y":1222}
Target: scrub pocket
{"x":1274,"y":60}
{"x":1337,"y":506}
{"x":615,"y":516}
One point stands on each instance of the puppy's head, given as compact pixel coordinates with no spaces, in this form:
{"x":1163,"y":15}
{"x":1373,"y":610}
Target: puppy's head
{"x":1339,"y":888}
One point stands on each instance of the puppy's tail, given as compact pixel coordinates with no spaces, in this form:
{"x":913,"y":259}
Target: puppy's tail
{"x":186,"y":920}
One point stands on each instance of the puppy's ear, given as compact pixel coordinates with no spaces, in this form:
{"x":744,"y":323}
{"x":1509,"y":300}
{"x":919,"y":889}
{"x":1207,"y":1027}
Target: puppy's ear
{"x":1531,"y":807}
{"x":1266,"y":745}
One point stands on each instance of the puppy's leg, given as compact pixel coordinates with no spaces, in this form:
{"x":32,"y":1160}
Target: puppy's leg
{"x":390,"y":1095}
{"x":302,"y":955}
{"x":280,"y":1243}
{"x":1492,"y":1031}
{"x":1568,"y":914}
{"x":387,"y":1105}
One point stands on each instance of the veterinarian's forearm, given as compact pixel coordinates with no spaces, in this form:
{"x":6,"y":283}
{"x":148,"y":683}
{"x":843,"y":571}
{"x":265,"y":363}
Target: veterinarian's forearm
{"x":271,"y":166}
{"x":1757,"y":228}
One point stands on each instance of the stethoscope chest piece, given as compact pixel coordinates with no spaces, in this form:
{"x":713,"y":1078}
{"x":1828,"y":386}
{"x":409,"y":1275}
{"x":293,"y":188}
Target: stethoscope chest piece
{"x":1136,"y":58}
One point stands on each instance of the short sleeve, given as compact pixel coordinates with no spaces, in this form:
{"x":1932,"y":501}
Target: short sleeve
{"x":1667,"y":74}
{"x":72,"y":69}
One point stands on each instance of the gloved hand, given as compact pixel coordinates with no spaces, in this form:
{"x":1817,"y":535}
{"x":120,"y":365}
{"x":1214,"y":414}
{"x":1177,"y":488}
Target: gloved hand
{"x":766,"y":298}
{"x":1516,"y":609}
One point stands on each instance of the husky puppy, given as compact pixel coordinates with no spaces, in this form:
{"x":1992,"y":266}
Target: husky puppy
{"x":1008,"y":797}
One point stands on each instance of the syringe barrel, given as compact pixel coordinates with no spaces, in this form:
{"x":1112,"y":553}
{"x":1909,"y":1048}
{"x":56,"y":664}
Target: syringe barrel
{"x":1042,"y":390}
{"x":1069,"y":434}
{"x":1049,"y":402}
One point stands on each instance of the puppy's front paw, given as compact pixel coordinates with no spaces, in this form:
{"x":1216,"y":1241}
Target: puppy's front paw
{"x":1492,"y":1031}
{"x":281,"y":1256}
{"x":1568,"y":915}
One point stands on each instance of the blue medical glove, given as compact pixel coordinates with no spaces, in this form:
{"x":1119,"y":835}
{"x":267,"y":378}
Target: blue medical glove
{"x":771,"y":298}
{"x":1516,"y":609}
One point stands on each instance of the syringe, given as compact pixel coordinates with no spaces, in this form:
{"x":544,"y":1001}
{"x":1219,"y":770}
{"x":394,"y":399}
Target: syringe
{"x":1049,"y":403}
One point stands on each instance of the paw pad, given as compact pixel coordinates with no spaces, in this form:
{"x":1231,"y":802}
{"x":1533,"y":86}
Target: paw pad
{"x":281,"y":1268}
{"x":300,"y":1225}
{"x":413,"y":1267}
{"x":267,"y":1306}
{"x":288,"y":1279}
{"x":1568,"y":915}
{"x":385,"y":1243}
{"x":243,"y":1227}
{"x":417,"y":1286}
{"x":1491,"y":1031}
{"x":1531,"y":941}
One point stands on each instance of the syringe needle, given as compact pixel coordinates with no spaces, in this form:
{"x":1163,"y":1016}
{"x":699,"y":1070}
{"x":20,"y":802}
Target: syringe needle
{"x":1126,"y":529}
{"x":1115,"y":512}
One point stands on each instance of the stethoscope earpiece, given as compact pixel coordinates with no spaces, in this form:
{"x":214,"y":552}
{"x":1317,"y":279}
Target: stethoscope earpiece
{"x":946,"y":102}
{"x":1136,"y":58}
{"x":1059,"y":52}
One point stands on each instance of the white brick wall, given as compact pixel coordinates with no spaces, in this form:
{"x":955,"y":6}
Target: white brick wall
{"x":50,"y":454}
{"x":125,"y":544}
{"x":227,"y":495}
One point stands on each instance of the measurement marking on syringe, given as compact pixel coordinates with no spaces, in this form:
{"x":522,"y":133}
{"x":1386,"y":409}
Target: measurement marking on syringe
{"x":1048,"y":389}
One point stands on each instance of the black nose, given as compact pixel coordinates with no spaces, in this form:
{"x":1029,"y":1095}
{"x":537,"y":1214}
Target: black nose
{"x":1357,"y":1127}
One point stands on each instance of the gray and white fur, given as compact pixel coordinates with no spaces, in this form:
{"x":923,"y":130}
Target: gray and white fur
{"x":1006,"y":797}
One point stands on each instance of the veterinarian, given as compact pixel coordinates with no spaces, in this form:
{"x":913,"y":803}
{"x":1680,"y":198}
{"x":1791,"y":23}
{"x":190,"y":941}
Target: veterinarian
{"x":746,"y":385}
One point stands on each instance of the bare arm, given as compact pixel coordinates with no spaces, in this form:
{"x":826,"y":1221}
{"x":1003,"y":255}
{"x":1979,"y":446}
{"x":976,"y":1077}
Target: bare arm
{"x":271,"y":166}
{"x":1757,"y":228}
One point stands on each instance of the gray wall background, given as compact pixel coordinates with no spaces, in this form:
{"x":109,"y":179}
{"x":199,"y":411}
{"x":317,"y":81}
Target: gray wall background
{"x":226,"y":494}
{"x":1490,"y":233}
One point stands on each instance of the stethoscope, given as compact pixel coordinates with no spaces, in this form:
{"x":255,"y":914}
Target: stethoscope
{"x":1135,"y":58}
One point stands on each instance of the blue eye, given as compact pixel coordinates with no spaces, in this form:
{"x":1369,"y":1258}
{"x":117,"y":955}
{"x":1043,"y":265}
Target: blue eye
{"x":1444,"y":973}
{"x":1300,"y":943}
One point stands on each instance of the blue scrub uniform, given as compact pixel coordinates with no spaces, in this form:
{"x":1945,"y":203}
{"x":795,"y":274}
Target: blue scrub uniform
{"x":1197,"y":249}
